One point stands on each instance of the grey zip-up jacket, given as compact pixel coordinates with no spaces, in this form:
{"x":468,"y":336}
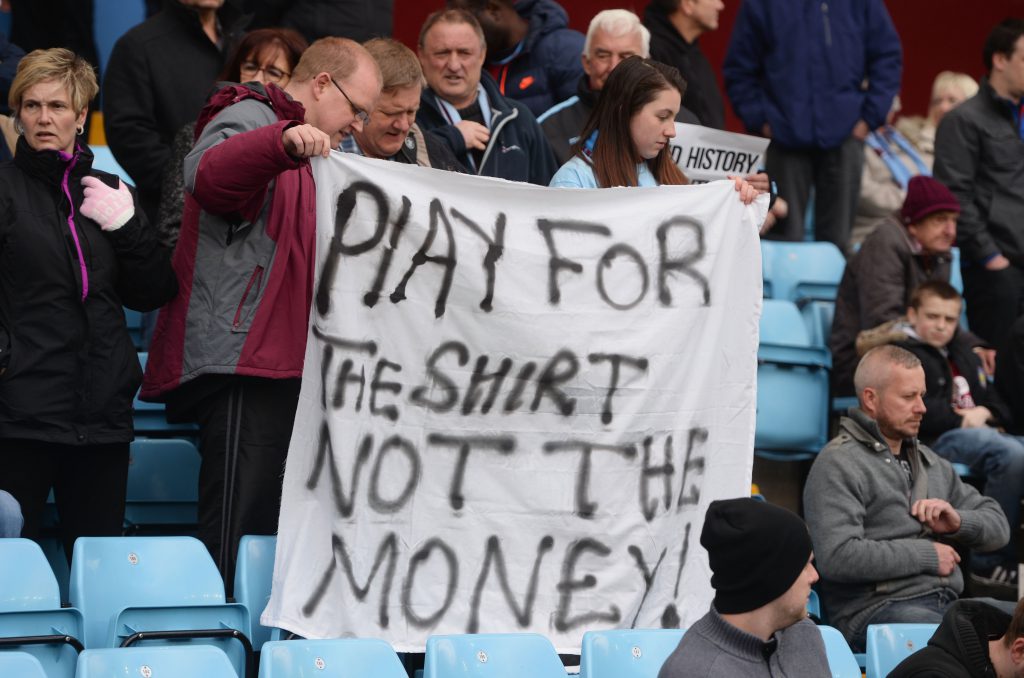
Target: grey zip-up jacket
{"x":867,"y":547}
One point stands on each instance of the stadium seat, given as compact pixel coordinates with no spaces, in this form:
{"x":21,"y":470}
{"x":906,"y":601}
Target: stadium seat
{"x":254,"y":570}
{"x":889,"y":644}
{"x":163,"y":486}
{"x":133,"y":320}
{"x":814,"y":604}
{"x":492,"y":655}
{"x":840,"y":658}
{"x":20,"y":664}
{"x":180,"y":661}
{"x":132,"y":589}
{"x":626,"y":653}
{"x":31,"y":618}
{"x":355,"y":657}
{"x":103,"y":159}
{"x":818,"y":317}
{"x":150,"y":419}
{"x":801,"y":271}
{"x":792,"y":387}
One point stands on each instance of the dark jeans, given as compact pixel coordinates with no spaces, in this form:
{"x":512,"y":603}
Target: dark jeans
{"x":994,"y":301}
{"x":244,"y":431}
{"x":835,"y":175}
{"x":88,"y":482}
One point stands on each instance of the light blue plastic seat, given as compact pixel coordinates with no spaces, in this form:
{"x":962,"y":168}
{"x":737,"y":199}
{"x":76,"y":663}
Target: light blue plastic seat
{"x":179,"y":661}
{"x":840,"y":657}
{"x":150,"y":419}
{"x":30,"y":608}
{"x":889,"y":644}
{"x":21,"y":664}
{"x":167,"y":589}
{"x":814,"y":604}
{"x":163,"y":486}
{"x":492,"y":655}
{"x":626,"y":653}
{"x":356,"y":657}
{"x":254,"y":572}
{"x":792,"y":386}
{"x":103,"y":159}
{"x":801,"y":271}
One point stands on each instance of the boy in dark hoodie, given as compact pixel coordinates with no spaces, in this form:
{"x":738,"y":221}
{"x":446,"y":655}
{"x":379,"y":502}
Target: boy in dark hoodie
{"x":966,"y":416}
{"x":976,"y":639}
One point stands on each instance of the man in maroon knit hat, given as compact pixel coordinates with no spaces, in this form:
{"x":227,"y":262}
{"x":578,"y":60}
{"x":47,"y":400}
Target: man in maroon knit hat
{"x":904,"y":251}
{"x":228,"y":350}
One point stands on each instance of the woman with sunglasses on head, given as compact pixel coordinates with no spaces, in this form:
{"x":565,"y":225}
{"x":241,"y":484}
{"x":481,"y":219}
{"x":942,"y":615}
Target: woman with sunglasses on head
{"x":625,"y":142}
{"x":265,"y":56}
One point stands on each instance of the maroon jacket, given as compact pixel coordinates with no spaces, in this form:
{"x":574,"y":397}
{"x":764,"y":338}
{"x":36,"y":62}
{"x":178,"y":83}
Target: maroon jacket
{"x":246,"y":255}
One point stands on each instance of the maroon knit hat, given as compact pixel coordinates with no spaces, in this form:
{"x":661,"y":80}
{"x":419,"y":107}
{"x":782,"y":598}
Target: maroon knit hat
{"x":927,"y":196}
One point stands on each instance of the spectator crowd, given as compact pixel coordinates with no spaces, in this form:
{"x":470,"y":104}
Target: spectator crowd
{"x":214,"y":108}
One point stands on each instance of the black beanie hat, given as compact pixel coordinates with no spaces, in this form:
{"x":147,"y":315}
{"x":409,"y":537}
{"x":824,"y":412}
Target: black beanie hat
{"x":756,"y":552}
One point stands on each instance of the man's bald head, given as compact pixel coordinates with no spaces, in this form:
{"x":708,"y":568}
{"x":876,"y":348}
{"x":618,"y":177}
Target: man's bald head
{"x":875,"y":368}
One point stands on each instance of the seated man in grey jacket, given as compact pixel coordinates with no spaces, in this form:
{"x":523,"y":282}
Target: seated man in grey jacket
{"x":760,"y":557}
{"x":885,"y":511}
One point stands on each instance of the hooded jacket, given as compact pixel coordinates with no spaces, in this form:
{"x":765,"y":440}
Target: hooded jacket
{"x":516,"y":150}
{"x":868,"y":548}
{"x":543,"y":70}
{"x":959,"y":647}
{"x":246,"y":254}
{"x":667,"y":46}
{"x":72,"y":369}
{"x":800,"y":66}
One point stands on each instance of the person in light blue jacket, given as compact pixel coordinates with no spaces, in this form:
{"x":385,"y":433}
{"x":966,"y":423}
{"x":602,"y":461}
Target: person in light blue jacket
{"x":625,"y":142}
{"x":815,"y":77}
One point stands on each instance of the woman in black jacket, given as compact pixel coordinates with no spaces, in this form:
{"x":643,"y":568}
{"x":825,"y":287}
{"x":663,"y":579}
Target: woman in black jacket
{"x":74,"y":249}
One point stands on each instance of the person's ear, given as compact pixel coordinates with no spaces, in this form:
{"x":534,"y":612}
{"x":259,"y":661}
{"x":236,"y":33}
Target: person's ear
{"x":869,"y":397}
{"x":1017,"y":651}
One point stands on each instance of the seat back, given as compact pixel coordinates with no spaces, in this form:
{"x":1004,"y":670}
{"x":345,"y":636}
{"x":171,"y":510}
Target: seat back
{"x":157,"y":661}
{"x":254,"y":571}
{"x":889,"y":644}
{"x":109,"y":574}
{"x":335,"y":657}
{"x":802,"y":271}
{"x":26,"y":580}
{"x":163,"y":482}
{"x":841,"y":661}
{"x":626,"y":653}
{"x":492,"y":655}
{"x":792,"y":386}
{"x":814,"y":604}
{"x":20,"y":664}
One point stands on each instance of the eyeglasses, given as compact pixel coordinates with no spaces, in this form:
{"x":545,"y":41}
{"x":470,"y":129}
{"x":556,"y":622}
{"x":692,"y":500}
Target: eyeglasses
{"x":273,"y":73}
{"x":361,"y":115}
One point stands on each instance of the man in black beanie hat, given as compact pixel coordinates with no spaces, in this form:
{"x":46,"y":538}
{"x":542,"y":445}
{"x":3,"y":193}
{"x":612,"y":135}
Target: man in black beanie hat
{"x":760,"y":557}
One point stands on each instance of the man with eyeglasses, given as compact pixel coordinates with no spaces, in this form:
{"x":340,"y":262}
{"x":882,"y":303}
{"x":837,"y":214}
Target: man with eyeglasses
{"x":490,"y":134}
{"x":392,"y":132}
{"x":228,"y":350}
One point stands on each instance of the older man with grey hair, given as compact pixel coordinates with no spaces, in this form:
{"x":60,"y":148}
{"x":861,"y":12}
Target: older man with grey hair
{"x":885,"y":512}
{"x":613,"y":35}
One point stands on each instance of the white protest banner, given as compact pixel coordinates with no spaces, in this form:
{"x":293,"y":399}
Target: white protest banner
{"x":517,"y":403}
{"x":707,"y":154}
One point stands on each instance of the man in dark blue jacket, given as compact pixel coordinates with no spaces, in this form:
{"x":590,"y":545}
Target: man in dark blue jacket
{"x":816,"y":78}
{"x":532,"y":53}
{"x":490,"y":134}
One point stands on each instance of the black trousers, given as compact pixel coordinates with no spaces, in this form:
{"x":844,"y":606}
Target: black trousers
{"x":88,"y":482}
{"x":244,"y":431}
{"x":835,"y":175}
{"x":995,"y":299}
